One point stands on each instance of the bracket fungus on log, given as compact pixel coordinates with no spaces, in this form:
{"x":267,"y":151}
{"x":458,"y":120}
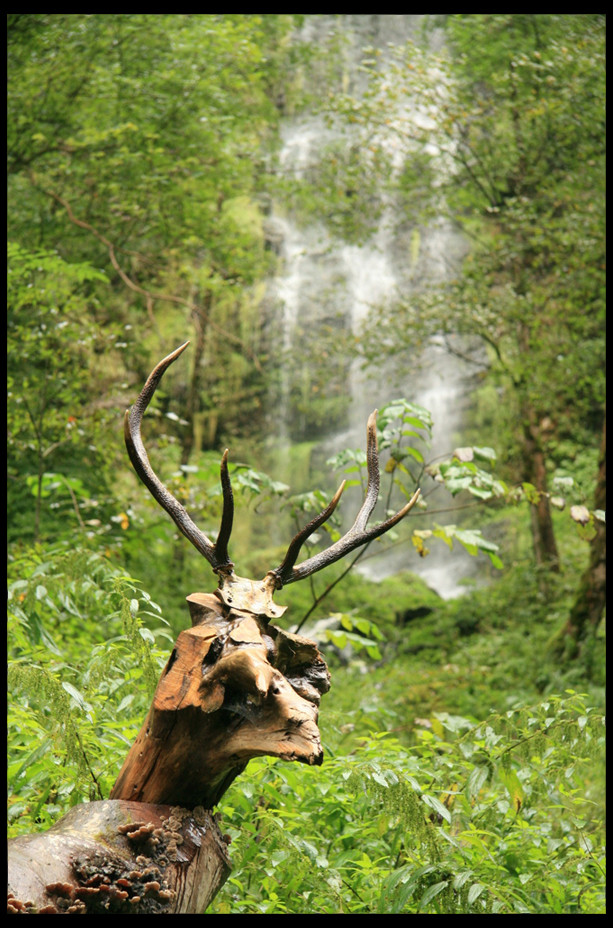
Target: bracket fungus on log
{"x":119,"y":857}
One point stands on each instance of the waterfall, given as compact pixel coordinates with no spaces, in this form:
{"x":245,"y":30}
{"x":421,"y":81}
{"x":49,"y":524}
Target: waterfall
{"x":323,"y":278}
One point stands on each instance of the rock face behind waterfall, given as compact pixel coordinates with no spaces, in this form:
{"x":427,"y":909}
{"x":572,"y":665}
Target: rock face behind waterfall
{"x":326,"y":288}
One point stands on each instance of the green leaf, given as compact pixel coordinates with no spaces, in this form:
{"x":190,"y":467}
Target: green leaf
{"x":474,"y":892}
{"x":45,"y":637}
{"x":476,"y":780}
{"x":75,"y":693}
{"x":471,"y":539}
{"x":337,"y":638}
{"x":367,"y":628}
{"x":431,"y":892}
{"x":461,"y":878}
{"x":373,"y":652}
{"x":480,"y":492}
{"x":486,"y":454}
{"x":437,"y":805}
{"x":415,"y":454}
{"x":532,"y":494}
{"x":513,"y":786}
{"x":39,"y":751}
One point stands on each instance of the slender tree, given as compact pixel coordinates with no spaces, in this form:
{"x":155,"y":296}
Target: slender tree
{"x":590,"y":600}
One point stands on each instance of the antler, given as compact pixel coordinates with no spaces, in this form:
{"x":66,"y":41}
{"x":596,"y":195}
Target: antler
{"x":357,"y":535}
{"x":217,"y":553}
{"x":252,"y":595}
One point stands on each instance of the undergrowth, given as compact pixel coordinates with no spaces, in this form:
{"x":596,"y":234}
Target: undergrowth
{"x":499,"y":816}
{"x":463,"y":772}
{"x":86,"y":647}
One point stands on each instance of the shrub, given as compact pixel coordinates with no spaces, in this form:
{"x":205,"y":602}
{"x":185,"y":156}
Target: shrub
{"x":73,"y":715}
{"x":499,"y":816}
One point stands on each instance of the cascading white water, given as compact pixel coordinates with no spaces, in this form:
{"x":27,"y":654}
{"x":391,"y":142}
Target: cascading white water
{"x":317,"y":268}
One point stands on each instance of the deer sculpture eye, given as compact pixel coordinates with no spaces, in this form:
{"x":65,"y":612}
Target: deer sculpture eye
{"x":271,"y":649}
{"x":214,"y":652}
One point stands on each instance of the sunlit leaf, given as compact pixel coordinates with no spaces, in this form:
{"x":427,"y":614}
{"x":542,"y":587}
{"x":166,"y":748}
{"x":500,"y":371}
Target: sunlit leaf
{"x":580,"y":514}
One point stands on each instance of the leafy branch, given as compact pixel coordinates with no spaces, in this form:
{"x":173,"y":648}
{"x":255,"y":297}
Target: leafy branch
{"x":150,"y":297}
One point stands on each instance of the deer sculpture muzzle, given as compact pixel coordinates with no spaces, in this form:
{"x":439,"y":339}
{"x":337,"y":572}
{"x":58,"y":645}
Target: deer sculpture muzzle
{"x":235,"y":686}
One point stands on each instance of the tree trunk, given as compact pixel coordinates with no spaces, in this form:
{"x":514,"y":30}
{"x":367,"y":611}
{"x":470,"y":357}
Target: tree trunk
{"x":193,"y":391}
{"x":235,"y":687}
{"x":590,"y":601}
{"x":189,"y":443}
{"x":534,"y":472}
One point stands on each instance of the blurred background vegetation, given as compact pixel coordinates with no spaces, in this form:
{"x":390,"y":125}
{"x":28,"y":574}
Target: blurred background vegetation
{"x":465,"y":766}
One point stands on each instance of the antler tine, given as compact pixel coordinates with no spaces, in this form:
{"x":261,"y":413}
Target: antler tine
{"x":374,"y":480}
{"x":357,"y":535}
{"x":216,"y":554}
{"x":297,"y":542}
{"x":227,"y":516}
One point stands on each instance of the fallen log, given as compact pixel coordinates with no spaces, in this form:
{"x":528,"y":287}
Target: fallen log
{"x":116,"y":856}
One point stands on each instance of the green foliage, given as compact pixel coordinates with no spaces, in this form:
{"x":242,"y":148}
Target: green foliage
{"x":144,"y":149}
{"x":471,"y":540}
{"x":407,"y":467}
{"x":460,"y":810}
{"x":145,"y":131}
{"x":48,"y":381}
{"x":357,"y":632}
{"x":85,"y":649}
{"x":495,"y":817}
{"x":403,"y":433}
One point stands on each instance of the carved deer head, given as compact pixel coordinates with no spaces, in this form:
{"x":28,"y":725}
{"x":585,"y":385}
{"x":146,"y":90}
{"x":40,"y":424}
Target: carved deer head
{"x":235,"y":686}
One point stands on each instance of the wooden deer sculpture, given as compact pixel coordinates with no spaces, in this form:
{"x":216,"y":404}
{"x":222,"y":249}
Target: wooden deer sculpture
{"x":235,"y":687}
